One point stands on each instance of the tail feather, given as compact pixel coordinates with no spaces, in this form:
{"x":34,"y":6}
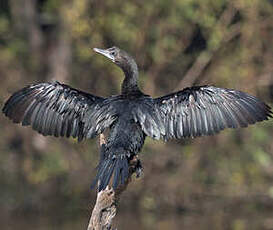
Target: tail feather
{"x":113,"y":166}
{"x":125,"y":170}
{"x":108,"y":176}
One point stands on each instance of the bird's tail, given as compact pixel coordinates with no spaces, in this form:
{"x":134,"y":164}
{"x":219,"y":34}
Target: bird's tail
{"x":114,"y":166}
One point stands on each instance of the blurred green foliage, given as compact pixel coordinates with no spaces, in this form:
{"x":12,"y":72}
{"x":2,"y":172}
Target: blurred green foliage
{"x":219,"y":182}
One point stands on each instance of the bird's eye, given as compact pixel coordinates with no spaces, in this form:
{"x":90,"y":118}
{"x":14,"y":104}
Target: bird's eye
{"x":113,"y":53}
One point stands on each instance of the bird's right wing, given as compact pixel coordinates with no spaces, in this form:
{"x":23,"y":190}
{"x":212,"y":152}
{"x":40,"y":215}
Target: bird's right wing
{"x":59,"y":110}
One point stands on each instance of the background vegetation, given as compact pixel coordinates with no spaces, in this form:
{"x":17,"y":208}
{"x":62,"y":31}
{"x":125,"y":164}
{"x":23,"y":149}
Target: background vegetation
{"x":220,"y":182}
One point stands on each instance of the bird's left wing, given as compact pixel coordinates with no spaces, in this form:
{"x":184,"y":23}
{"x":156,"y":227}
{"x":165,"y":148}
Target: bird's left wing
{"x":206,"y":110}
{"x":198,"y":111}
{"x":59,"y":110}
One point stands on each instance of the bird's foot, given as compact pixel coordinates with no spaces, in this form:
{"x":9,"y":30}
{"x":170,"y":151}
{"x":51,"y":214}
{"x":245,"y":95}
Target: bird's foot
{"x":136,"y":166}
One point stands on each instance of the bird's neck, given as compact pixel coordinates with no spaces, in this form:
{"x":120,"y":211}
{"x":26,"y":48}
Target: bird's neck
{"x":130,"y":83}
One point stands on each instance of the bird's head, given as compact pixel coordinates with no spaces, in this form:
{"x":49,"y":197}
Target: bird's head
{"x":116,"y":55}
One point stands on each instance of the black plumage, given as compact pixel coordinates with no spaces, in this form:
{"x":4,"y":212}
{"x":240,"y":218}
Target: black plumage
{"x":59,"y":110}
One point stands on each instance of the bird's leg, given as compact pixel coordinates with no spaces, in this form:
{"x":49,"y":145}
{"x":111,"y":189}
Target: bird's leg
{"x":135,"y":166}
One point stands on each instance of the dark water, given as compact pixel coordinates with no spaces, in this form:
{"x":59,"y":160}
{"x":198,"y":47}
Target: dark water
{"x":210,"y":219}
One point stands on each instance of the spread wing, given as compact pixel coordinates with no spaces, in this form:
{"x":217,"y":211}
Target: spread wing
{"x":59,"y":110}
{"x":199,"y":111}
{"x":147,"y":114}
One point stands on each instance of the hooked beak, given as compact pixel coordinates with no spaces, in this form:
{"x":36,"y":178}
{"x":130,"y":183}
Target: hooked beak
{"x":105,"y":53}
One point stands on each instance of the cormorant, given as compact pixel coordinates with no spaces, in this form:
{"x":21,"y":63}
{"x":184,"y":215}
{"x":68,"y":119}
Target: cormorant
{"x":59,"y":110}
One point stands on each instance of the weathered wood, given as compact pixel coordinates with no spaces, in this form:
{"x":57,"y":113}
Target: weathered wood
{"x":104,"y":210}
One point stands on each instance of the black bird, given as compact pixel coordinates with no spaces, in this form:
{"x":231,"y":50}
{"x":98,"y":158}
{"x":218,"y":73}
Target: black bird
{"x":59,"y":110}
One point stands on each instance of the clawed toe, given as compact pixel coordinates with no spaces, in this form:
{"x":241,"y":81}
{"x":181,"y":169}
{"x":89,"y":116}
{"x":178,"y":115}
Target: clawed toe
{"x":136,"y":166}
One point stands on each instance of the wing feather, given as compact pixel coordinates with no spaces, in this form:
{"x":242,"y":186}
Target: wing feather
{"x":206,"y":110}
{"x":59,"y":110}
